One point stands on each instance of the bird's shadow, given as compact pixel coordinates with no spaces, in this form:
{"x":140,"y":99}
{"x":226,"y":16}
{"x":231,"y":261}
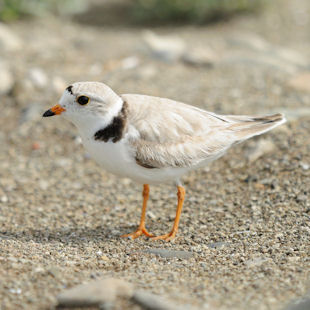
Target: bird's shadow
{"x":72,"y":235}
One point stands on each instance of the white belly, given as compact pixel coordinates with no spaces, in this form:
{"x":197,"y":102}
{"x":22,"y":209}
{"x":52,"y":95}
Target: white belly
{"x":117,"y":159}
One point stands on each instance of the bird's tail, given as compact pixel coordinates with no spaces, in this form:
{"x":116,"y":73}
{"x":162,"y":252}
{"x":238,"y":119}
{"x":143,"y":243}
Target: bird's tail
{"x":245,"y":127}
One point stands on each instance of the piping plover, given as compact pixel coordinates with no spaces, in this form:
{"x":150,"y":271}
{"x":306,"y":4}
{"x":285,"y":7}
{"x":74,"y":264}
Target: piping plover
{"x":152,"y":140}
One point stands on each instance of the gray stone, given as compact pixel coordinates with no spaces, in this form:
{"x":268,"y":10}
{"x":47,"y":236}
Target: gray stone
{"x":261,"y":147}
{"x":95,"y":293}
{"x":258,"y":261}
{"x":255,"y":43}
{"x":151,"y":301}
{"x":30,"y":113}
{"x":300,"y":304}
{"x":300,"y":82}
{"x":38,"y":78}
{"x":170,"y":253}
{"x":217,"y":245}
{"x":9,"y":41}
{"x":6,"y":79}
{"x":294,"y":114}
{"x":166,"y":48}
{"x":58,"y":84}
{"x":251,"y":58}
{"x":304,"y":166}
{"x":200,"y":57}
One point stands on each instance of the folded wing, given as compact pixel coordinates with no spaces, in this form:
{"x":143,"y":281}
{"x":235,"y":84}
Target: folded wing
{"x":172,"y":134}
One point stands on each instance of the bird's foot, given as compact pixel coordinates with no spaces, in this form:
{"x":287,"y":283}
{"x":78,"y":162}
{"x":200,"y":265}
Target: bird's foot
{"x":166,"y":237}
{"x":139,"y":232}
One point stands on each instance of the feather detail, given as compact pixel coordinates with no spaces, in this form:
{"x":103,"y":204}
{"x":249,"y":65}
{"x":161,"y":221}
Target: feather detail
{"x":173,"y":134}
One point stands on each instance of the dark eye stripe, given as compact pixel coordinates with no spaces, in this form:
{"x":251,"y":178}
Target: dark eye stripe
{"x":82,"y":100}
{"x":69,"y":89}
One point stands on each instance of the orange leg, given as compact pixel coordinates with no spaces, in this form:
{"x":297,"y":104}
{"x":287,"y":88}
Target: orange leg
{"x":141,"y":229}
{"x":173,"y":232}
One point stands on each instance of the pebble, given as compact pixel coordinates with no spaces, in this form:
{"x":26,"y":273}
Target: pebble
{"x":31,"y":113}
{"x":6,"y":79}
{"x":170,"y":253}
{"x":218,"y":245}
{"x":151,"y":301}
{"x":255,"y":262}
{"x":38,"y":78}
{"x":200,"y":57}
{"x":58,"y":84}
{"x":300,"y":82}
{"x":9,"y":41}
{"x":166,"y":48}
{"x":95,"y":293}
{"x":261,"y":147}
{"x":304,"y":166}
{"x":250,"y":58}
{"x":4,"y":199}
{"x":300,"y":304}
{"x":259,"y":45}
{"x":130,"y":62}
{"x":294,"y":114}
{"x":301,"y":198}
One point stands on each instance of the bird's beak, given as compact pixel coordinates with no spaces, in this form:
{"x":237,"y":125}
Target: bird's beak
{"x":55,"y":110}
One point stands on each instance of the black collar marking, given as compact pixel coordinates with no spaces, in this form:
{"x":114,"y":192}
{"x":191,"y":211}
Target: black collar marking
{"x":116,"y":128}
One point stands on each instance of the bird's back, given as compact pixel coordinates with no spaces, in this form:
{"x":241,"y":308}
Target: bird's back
{"x":174,"y":134}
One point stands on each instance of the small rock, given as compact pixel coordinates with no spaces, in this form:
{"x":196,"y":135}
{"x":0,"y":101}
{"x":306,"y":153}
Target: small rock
{"x":248,"y":40}
{"x":130,"y":62}
{"x":262,"y":147}
{"x":255,"y":262}
{"x":78,"y":140}
{"x":301,"y":198}
{"x":300,"y":304}
{"x":150,"y":301}
{"x":95,"y":293}
{"x":4,"y":199}
{"x":146,"y":72}
{"x":35,"y":146}
{"x":218,"y":245}
{"x":250,"y":58}
{"x":200,"y":57}
{"x":6,"y":79}
{"x":304,"y":166}
{"x":30,"y":113}
{"x":9,"y":41}
{"x":43,"y":184}
{"x":16,"y":291}
{"x":38,"y":77}
{"x":151,"y":215}
{"x":170,"y":254}
{"x":259,"y":45}
{"x":300,"y":82}
{"x":166,"y":48}
{"x":58,"y":84}
{"x":294,"y":114}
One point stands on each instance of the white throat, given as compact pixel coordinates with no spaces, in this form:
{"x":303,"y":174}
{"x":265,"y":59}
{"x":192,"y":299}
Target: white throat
{"x":89,"y":124}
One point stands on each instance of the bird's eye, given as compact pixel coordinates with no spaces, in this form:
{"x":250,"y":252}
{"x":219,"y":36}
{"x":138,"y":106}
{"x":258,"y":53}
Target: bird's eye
{"x":82,"y":100}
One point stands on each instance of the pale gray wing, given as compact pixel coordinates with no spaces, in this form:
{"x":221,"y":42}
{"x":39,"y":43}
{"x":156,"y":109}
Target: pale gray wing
{"x":167,"y":133}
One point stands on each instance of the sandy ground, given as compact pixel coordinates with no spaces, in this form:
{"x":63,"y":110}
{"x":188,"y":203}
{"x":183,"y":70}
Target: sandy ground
{"x":246,"y":224}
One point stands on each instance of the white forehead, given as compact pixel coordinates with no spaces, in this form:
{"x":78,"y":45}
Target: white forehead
{"x":95,"y":88}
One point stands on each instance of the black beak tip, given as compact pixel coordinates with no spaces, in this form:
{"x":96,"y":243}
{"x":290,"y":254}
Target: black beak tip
{"x":48,"y":113}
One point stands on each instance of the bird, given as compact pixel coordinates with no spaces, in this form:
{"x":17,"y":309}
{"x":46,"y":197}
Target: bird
{"x":152,"y":140}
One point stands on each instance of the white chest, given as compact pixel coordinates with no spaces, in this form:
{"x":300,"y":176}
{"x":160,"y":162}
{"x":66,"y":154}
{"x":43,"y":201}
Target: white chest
{"x":114,"y":157}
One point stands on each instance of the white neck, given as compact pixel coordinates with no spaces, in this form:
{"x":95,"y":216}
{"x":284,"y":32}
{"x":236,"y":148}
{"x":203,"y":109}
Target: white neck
{"x":88,"y":125}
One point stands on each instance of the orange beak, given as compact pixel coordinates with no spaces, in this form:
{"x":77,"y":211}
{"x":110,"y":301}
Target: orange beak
{"x":55,"y":110}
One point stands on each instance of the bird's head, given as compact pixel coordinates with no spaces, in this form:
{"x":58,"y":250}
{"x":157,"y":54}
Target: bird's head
{"x":87,"y":103}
